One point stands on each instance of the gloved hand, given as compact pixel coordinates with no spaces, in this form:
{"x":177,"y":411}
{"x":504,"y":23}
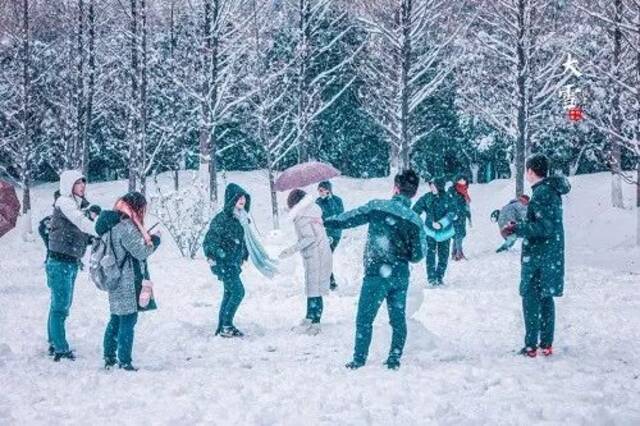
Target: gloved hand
{"x":509,"y":229}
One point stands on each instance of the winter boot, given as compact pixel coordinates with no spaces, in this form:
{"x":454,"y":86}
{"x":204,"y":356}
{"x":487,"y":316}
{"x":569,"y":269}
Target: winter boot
{"x":548,"y":351}
{"x":392,"y":364}
{"x":354,"y":365}
{"x":127,"y":367}
{"x":64,"y":355}
{"x":529,"y":352}
{"x":51,"y":351}
{"x":230,"y":332}
{"x":109,"y":363}
{"x":313,"y":329}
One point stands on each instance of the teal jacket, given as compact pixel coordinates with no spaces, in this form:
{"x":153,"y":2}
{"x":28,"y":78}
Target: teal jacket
{"x":395,"y":236}
{"x":224,"y":242}
{"x":461,"y":211}
{"x":543,"y":237}
{"x":437,"y":208}
{"x":331,"y":206}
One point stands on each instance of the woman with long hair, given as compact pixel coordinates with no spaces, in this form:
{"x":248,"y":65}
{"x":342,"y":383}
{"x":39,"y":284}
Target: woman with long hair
{"x":132,"y":245}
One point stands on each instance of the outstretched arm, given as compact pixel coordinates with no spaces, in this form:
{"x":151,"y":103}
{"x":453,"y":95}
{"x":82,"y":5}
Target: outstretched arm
{"x":419,"y":207}
{"x":350,"y":219}
{"x":307,"y":237}
{"x":542,"y":227}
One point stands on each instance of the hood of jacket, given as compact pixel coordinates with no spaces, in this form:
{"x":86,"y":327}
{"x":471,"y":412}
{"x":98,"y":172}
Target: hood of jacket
{"x":440,"y":183}
{"x":68,"y":178}
{"x":107,"y":220}
{"x":307,"y":207}
{"x":558,"y":184}
{"x":231,"y":196}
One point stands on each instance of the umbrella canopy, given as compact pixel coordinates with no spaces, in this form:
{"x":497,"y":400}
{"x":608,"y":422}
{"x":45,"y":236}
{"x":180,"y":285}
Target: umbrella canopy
{"x":9,"y":207}
{"x":305,"y":174}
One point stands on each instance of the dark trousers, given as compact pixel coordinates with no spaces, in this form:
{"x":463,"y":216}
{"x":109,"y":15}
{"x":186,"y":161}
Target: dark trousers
{"x":437,"y":268}
{"x":374,"y":291}
{"x":233,"y":295}
{"x":61,"y":278}
{"x":119,"y":336}
{"x":334,"y":244}
{"x":314,"y":309}
{"x":539,"y":316}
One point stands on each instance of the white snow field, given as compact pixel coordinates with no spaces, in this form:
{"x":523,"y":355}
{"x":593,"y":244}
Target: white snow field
{"x":459,"y":366}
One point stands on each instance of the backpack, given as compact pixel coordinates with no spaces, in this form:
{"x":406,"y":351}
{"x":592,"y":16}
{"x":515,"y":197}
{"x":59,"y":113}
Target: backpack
{"x":104,"y":268}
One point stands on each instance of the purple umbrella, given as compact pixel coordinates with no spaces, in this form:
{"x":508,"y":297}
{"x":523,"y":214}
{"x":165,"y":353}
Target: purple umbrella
{"x":305,"y":174}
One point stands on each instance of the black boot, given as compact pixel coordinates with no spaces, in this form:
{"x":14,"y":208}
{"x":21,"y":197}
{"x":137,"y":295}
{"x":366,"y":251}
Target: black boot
{"x":333,"y":285}
{"x":51,"y":351}
{"x":64,"y":355}
{"x":392,"y":363}
{"x":109,"y":363}
{"x":127,"y":367}
{"x":354,"y":365}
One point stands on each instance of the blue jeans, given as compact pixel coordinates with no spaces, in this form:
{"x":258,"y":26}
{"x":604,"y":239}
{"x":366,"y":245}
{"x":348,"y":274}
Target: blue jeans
{"x":374,"y":291}
{"x":61,"y":278}
{"x":119,"y":336}
{"x":233,"y":295}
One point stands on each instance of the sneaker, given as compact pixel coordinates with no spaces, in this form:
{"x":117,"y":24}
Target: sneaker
{"x":51,"y":351}
{"x":64,"y":355}
{"x":528,"y":351}
{"x":127,"y":367}
{"x":354,"y":365}
{"x":392,"y":364}
{"x":109,"y":363}
{"x":548,"y":351}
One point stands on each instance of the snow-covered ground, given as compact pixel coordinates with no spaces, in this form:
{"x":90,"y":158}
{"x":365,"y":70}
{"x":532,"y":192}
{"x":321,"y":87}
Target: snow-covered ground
{"x":459,"y":366}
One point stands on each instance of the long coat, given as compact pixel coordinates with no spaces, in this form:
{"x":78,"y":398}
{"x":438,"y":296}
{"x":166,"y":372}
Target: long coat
{"x":130,"y":249}
{"x":313,"y":245}
{"x":543,"y":233}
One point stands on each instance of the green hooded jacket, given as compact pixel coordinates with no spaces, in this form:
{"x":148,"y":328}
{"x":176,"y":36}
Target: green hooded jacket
{"x":543,"y":237}
{"x":395,"y":237}
{"x":224,"y":242}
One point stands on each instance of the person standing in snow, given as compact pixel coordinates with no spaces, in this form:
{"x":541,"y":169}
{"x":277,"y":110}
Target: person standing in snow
{"x":226,"y":250}
{"x":331,"y":205}
{"x":542,"y":255}
{"x":395,"y":238}
{"x":462,"y":211}
{"x":69,"y":234}
{"x":515,"y":211}
{"x":313,"y":245}
{"x":132,"y":245}
{"x":437,"y":205}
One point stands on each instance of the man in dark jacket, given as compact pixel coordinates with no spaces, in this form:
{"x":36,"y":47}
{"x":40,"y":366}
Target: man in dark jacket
{"x":331,"y":205}
{"x":69,"y":234}
{"x":225,"y":248}
{"x":542,"y":255}
{"x":438,"y":207}
{"x":395,"y":238}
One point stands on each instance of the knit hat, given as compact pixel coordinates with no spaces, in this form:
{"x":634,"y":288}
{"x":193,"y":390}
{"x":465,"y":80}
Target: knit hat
{"x":326,"y":185}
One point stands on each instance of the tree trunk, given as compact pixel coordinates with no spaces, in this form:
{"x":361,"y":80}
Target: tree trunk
{"x":134,"y":133}
{"x":616,"y":152}
{"x":301,"y":122}
{"x":91,"y":89}
{"x":475,"y":171}
{"x":26,"y":119}
{"x":405,"y":93}
{"x":142,"y":149}
{"x":78,"y":151}
{"x":274,"y":198}
{"x":521,"y":83}
{"x":208,"y":142}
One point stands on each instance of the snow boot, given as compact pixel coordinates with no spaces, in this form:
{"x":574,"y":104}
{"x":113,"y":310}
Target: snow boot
{"x":547,"y":351}
{"x":109,"y":363}
{"x":354,"y":365}
{"x":392,"y":364}
{"x":230,"y":332}
{"x":529,"y":352}
{"x":127,"y":367}
{"x":64,"y":355}
{"x":51,"y":351}
{"x":313,"y":329}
